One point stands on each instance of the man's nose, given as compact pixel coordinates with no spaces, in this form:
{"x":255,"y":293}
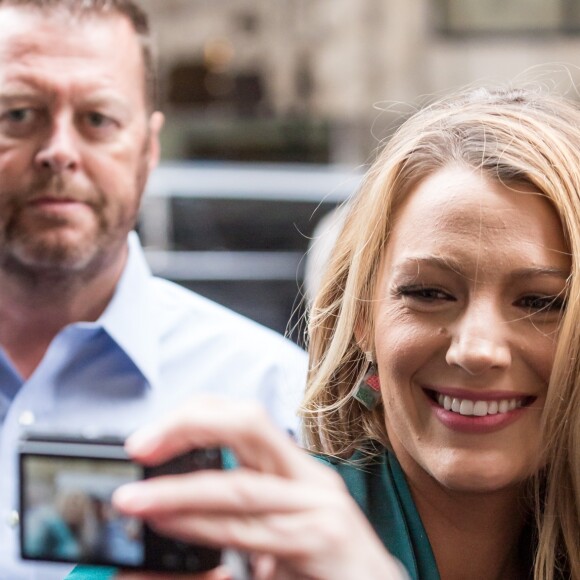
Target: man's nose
{"x":59,"y":151}
{"x":479,"y":342}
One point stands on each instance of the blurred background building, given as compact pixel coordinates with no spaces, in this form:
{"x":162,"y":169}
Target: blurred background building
{"x":301,"y":80}
{"x":316,"y":84}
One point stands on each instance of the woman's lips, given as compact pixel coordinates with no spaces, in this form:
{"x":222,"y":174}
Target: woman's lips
{"x":470,"y":412}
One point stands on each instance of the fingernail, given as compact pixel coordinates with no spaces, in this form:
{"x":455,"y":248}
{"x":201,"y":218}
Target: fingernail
{"x":131,"y":497}
{"x":142,"y":441}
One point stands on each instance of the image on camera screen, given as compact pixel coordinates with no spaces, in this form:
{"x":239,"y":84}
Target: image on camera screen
{"x":68,"y":515}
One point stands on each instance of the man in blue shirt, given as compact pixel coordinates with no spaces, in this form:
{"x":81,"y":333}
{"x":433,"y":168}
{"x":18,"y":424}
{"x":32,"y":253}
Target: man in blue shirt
{"x":90,"y":341}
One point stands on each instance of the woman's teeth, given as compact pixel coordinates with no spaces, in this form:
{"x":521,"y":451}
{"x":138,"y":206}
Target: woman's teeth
{"x":477,"y":408}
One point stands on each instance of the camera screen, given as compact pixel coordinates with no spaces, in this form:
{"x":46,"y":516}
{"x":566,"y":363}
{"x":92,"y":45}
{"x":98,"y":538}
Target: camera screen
{"x":68,"y":515}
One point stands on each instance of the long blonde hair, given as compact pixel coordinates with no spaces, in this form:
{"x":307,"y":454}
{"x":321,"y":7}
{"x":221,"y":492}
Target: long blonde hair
{"x":514,"y":136}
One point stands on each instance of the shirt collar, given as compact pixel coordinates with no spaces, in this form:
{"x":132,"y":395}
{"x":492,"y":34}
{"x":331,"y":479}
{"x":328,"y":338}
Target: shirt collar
{"x":128,"y":318}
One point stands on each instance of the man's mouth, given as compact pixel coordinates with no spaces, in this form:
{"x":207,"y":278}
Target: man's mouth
{"x":479,"y":408}
{"x":53,"y":200}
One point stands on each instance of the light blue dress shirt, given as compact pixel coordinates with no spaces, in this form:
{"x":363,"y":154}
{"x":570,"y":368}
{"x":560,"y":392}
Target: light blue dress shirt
{"x":155,"y":345}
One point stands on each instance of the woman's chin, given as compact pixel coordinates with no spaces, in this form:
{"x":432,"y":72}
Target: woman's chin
{"x":484,"y":479}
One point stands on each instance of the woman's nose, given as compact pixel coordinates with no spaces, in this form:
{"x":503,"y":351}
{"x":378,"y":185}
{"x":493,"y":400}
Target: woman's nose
{"x":479,"y":342}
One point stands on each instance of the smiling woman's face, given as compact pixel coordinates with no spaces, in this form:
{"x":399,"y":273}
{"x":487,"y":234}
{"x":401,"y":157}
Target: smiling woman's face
{"x":466,"y":312}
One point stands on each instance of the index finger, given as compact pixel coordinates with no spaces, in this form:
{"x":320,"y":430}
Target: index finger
{"x":220,"y":573}
{"x":242,"y":427}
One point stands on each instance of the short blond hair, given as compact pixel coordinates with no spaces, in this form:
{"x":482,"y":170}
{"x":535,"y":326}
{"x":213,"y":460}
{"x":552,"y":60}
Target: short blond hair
{"x":514,"y":136}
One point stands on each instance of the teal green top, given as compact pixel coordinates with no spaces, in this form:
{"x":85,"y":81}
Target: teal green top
{"x":91,"y":573}
{"x":380,"y":488}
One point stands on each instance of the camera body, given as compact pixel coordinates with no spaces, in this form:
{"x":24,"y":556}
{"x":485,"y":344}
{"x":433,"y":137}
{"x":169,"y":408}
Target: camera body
{"x":66,"y":515}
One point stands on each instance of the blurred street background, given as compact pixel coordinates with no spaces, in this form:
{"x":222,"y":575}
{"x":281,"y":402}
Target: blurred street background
{"x":275,"y":107}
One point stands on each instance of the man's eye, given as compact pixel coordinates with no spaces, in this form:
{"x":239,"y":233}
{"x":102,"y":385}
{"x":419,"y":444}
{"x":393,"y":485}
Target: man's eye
{"x":99,"y":121}
{"x":19,"y":115}
{"x":20,"y":122}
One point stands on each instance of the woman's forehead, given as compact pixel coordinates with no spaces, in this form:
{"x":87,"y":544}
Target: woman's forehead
{"x":457,"y":209}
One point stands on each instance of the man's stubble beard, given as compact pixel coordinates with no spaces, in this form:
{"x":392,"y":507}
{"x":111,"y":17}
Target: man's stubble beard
{"x":47,"y":245}
{"x":54,"y":255}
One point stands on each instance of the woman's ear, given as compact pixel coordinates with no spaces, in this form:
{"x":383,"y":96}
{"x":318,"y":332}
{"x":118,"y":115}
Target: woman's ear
{"x":363,"y":338}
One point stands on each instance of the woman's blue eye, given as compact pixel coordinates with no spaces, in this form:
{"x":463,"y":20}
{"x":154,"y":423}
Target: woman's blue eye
{"x":424,"y":293}
{"x":543,"y":303}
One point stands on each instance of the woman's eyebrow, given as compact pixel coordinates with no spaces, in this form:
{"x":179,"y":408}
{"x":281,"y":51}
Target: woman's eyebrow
{"x":413,"y":264}
{"x":416,"y":262}
{"x":540,"y":271}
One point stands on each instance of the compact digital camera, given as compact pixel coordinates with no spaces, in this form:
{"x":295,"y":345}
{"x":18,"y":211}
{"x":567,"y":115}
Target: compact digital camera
{"x":66,"y":514}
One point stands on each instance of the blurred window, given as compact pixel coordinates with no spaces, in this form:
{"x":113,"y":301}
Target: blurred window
{"x":193,"y":84}
{"x":244,"y":224}
{"x":491,"y":17}
{"x":238,"y":233}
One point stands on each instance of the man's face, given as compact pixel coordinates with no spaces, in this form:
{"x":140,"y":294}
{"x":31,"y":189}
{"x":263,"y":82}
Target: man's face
{"x":76,"y":141}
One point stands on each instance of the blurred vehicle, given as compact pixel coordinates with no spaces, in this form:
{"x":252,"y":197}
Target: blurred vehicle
{"x":238,"y":233}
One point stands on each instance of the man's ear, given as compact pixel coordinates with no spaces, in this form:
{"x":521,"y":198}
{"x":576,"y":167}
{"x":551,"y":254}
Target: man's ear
{"x":156,"y":122}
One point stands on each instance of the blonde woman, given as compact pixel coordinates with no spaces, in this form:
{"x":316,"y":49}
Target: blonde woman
{"x":444,"y":380}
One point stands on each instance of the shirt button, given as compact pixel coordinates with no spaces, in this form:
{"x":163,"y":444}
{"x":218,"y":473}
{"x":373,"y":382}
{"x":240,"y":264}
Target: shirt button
{"x":13,"y":519}
{"x":26,"y":418}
